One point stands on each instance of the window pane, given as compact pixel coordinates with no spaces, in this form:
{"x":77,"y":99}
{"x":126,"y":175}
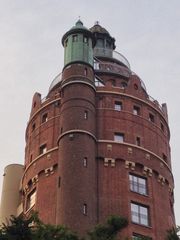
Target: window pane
{"x":119,"y":137}
{"x":118,"y":106}
{"x":138,"y":184}
{"x":139,"y":214}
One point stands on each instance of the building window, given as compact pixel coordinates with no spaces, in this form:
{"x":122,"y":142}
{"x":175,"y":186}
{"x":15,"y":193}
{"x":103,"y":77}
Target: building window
{"x":138,"y":184}
{"x":136,"y":110}
{"x":164,"y":157}
{"x":117,"y":106}
{"x":33,"y":126}
{"x":65,"y":43}
{"x":85,"y":114}
{"x":113,"y":83}
{"x":123,"y":85}
{"x":140,"y":237}
{"x":43,"y":149}
{"x":44,"y":118}
{"x":135,"y":86}
{"x":162,"y":127}
{"x":85,"y":162}
{"x":59,"y":182}
{"x":85,"y":209}
{"x":96,"y":65}
{"x":85,"y":71}
{"x":74,"y":38}
{"x":31,"y":199}
{"x":151,"y":117}
{"x":138,"y":141}
{"x":140,"y":214}
{"x":85,"y":40}
{"x":119,"y":137}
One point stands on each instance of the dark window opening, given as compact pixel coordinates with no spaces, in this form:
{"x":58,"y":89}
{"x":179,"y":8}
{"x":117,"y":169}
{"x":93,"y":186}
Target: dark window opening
{"x":75,"y":38}
{"x":136,"y":110}
{"x":31,"y":158}
{"x":162,"y":127}
{"x":59,"y":182}
{"x":113,"y":83}
{"x":135,"y":86}
{"x":164,"y":157}
{"x":123,"y":84}
{"x":65,"y":43}
{"x":33,"y":126}
{"x":151,"y":117}
{"x":43,"y":149}
{"x":44,"y":118}
{"x":137,"y":236}
{"x":138,"y":141}
{"x":31,"y":199}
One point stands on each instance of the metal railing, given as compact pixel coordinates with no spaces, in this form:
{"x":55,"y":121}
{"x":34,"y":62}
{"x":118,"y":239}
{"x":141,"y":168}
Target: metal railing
{"x":112,"y":67}
{"x":109,"y":53}
{"x":55,"y":81}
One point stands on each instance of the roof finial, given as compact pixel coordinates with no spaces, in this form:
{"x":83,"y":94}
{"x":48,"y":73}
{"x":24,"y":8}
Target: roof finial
{"x":79,"y":22}
{"x":96,"y":22}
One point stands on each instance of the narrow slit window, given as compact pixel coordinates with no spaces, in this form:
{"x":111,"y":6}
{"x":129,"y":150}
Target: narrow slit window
{"x":85,"y":162}
{"x":138,"y":141}
{"x":85,"y":209}
{"x":151,"y":117}
{"x":44,"y":118}
{"x":164,"y":157}
{"x":33,"y":126}
{"x":85,"y":39}
{"x":85,"y":71}
{"x":162,"y":127}
{"x":74,"y":38}
{"x":86,"y":114}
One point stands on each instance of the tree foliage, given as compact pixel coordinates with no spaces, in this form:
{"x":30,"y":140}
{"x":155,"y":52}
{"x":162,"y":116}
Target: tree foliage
{"x":172,"y":234}
{"x":109,"y":230}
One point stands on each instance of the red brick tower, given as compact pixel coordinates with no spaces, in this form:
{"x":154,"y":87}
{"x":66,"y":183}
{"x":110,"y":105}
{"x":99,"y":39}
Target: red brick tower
{"x":77,"y":195}
{"x":98,"y":144}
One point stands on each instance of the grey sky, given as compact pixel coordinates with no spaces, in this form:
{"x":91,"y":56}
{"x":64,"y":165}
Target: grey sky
{"x":147,"y":32}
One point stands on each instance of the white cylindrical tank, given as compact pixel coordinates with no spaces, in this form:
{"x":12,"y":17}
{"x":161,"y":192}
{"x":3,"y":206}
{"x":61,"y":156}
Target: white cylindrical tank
{"x":10,"y":198}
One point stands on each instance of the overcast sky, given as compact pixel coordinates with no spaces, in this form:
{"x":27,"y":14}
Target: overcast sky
{"x":147,"y":32}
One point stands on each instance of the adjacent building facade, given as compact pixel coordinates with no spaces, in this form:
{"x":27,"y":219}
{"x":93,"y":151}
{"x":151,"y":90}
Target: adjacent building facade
{"x":98,"y":144}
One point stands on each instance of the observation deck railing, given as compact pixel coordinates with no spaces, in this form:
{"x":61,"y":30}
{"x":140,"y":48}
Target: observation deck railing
{"x":104,"y":52}
{"x":112,"y":67}
{"x":55,"y":81}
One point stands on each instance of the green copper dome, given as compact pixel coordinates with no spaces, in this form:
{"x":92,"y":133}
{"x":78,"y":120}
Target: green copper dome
{"x":78,"y":45}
